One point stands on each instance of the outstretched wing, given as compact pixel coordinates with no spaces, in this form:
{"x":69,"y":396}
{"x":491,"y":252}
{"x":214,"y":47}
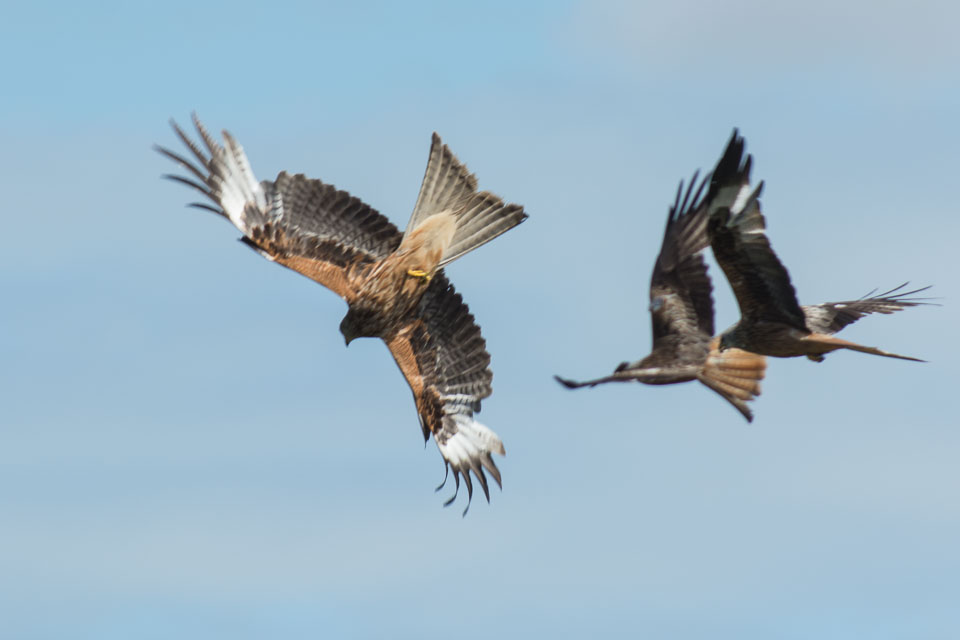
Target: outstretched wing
{"x":831,"y":317}
{"x":681,"y":301}
{"x":680,"y":289}
{"x":444,"y":359}
{"x":304,"y":224}
{"x":758,"y":278}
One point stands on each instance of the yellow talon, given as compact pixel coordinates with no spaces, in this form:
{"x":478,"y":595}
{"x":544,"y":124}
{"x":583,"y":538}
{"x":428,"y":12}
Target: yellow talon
{"x":417,"y":273}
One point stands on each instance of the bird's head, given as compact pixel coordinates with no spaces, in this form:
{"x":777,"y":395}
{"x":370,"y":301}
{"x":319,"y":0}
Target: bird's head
{"x":348,"y":330}
{"x":726,"y":342}
{"x":353,"y":325}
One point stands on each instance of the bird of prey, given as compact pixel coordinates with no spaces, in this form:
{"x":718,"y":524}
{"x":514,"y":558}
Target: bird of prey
{"x":681,"y":303}
{"x":772,"y":322}
{"x":392,"y":282}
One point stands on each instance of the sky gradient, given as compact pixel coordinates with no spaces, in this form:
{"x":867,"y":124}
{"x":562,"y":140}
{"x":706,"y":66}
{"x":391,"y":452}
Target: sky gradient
{"x":188,"y":450}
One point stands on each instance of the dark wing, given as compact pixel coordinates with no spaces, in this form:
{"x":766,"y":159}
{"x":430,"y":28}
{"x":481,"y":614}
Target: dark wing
{"x":680,"y":289}
{"x":444,"y":359}
{"x":306,"y":225}
{"x":758,"y":278}
{"x":831,"y":317}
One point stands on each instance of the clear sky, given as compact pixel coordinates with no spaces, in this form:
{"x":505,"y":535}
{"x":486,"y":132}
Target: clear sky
{"x":187,"y":450}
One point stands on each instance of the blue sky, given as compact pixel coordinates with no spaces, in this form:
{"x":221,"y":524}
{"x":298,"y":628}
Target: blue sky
{"x":187,"y":450}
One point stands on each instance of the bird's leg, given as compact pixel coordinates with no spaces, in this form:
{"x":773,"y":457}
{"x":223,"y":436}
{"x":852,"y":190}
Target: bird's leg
{"x":419,"y":273}
{"x":816,"y":357}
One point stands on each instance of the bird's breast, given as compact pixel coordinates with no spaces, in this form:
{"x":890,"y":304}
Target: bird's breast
{"x":389,"y":290}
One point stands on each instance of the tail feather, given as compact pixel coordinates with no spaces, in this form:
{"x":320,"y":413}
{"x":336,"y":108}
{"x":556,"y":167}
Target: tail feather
{"x":446,"y":184}
{"x":448,"y":187}
{"x":826,"y":343}
{"x":485,"y":218}
{"x":735,"y":375}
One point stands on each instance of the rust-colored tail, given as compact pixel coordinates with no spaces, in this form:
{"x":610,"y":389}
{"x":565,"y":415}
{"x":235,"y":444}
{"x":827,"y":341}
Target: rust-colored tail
{"x":734,"y":374}
{"x":823,"y":343}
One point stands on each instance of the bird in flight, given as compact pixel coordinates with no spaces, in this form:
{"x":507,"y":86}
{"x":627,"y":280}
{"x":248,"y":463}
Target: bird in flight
{"x":393,"y":283}
{"x":772,"y":322}
{"x":681,"y":302}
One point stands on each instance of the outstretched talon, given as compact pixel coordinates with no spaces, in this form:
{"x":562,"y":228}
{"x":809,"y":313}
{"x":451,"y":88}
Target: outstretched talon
{"x":418,"y":273}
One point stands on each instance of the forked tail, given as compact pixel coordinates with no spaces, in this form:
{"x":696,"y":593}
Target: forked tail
{"x":449,"y":187}
{"x":734,"y":374}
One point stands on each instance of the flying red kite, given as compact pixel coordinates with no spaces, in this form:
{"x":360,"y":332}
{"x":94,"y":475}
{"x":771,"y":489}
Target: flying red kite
{"x":393,"y":282}
{"x":772,"y":322}
{"x":681,"y":304}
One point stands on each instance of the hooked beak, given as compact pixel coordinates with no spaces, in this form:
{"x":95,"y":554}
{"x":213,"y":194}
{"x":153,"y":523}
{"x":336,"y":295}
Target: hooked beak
{"x":346,"y":331}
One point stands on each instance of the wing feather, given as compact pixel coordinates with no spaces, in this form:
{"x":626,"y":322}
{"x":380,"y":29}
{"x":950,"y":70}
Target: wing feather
{"x":680,"y":290}
{"x":680,"y":281}
{"x":443,"y":356}
{"x":830,"y":317}
{"x":301,"y":223}
{"x":759,"y":280}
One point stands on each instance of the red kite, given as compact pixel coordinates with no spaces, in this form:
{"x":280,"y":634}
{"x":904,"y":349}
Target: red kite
{"x":681,"y":303}
{"x":392,"y":282}
{"x":772,"y":322}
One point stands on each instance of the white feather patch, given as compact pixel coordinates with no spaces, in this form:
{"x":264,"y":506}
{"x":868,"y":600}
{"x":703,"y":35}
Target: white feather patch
{"x":238,"y":187}
{"x":743,"y":195}
{"x":471,"y":441}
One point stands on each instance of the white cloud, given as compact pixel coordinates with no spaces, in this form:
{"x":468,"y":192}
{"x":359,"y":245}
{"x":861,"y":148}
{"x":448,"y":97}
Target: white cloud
{"x":733,"y":37}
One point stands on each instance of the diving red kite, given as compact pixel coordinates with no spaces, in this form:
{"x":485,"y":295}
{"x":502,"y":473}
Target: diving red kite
{"x":392,"y":282}
{"x":772,"y":322}
{"x":681,"y":303}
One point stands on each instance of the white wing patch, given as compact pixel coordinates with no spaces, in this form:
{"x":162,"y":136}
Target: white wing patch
{"x":468,"y":449}
{"x":740,"y":201}
{"x":238,"y":186}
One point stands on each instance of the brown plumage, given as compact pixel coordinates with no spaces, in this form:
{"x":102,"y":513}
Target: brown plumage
{"x":772,"y":322}
{"x":681,"y":303}
{"x":393,"y":283}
